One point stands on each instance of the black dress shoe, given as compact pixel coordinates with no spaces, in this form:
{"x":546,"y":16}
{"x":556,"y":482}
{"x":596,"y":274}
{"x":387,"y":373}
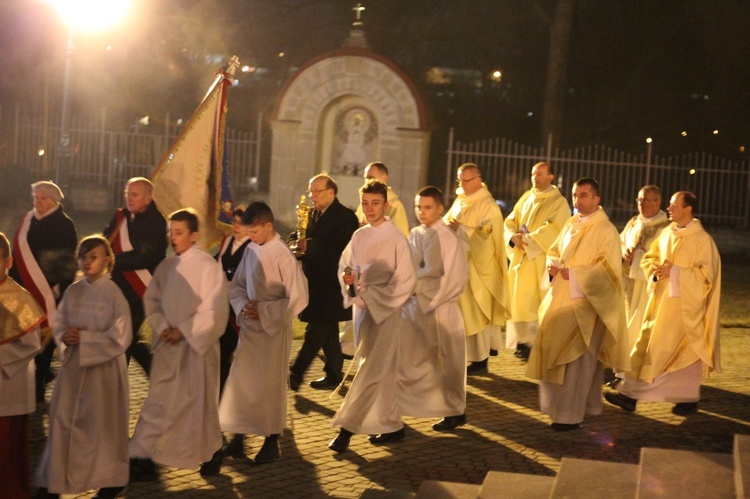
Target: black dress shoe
{"x":270,"y":451}
{"x":386,"y":438}
{"x":341,"y":442}
{"x":493,"y":352}
{"x":622,"y":401}
{"x":477,"y":368}
{"x":213,"y":467}
{"x":325,"y":383}
{"x":43,"y":493}
{"x":565,"y":426}
{"x":110,"y":492}
{"x":450,"y":423}
{"x":142,"y":470}
{"x":522,"y":351}
{"x":236,"y":447}
{"x":294,"y":382}
{"x":685,"y":408}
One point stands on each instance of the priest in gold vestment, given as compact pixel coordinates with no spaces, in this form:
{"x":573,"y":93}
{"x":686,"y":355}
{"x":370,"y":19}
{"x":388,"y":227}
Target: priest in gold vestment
{"x":679,"y":340}
{"x":530,"y":230}
{"x":582,"y":318}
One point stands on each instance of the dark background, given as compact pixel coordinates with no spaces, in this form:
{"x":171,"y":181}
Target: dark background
{"x":635,"y":69}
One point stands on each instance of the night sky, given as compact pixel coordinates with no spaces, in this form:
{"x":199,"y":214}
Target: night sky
{"x":636,"y":68}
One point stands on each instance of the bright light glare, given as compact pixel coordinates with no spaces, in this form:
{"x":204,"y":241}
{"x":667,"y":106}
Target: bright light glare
{"x":692,"y":171}
{"x":40,"y":152}
{"x":648,"y":140}
{"x":91,"y":15}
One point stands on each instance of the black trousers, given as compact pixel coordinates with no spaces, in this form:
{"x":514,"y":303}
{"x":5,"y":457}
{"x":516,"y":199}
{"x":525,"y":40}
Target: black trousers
{"x":319,"y":335}
{"x":137,"y":350}
{"x":228,"y":344}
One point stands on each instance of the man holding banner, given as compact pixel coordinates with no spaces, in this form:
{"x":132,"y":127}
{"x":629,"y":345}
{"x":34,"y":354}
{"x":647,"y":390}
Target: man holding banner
{"x":138,"y":234}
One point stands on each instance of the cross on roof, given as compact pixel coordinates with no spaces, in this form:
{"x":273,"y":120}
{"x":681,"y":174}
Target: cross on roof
{"x":358,"y":10}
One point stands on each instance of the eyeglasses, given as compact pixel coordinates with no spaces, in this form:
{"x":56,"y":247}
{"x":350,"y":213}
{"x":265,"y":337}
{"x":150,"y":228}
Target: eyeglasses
{"x":466,"y":180}
{"x":646,"y":200}
{"x":315,"y":192}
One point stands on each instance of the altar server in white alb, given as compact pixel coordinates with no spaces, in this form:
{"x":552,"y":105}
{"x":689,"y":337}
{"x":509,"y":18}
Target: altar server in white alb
{"x":87,"y":447}
{"x":432,"y":364}
{"x":188,"y":308}
{"x":377,"y":279}
{"x":268,"y":291}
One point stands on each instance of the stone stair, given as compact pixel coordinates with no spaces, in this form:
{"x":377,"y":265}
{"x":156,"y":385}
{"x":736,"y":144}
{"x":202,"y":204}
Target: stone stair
{"x":660,"y":473}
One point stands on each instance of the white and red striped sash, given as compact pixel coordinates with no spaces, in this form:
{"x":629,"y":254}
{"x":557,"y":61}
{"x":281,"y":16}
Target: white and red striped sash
{"x":120,"y":241}
{"x":31,"y":275}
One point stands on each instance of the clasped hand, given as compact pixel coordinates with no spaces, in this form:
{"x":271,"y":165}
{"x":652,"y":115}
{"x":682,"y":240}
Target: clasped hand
{"x":72,"y":336}
{"x":563,"y":271}
{"x":662,"y":271}
{"x":171,"y":336}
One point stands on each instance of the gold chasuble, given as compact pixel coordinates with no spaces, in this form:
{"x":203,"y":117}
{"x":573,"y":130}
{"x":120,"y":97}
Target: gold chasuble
{"x":541,"y":215}
{"x":485,"y":299}
{"x":591,"y":249}
{"x":19,"y":312}
{"x":681,"y":325}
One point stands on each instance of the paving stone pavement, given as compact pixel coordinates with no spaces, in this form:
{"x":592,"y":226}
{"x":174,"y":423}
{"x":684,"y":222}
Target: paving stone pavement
{"x":505,"y":432}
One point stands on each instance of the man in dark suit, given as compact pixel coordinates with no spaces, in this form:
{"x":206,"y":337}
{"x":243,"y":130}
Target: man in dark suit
{"x":330,"y":227}
{"x":138,"y":234}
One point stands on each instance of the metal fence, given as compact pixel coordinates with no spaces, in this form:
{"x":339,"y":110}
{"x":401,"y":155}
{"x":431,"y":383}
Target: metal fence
{"x":722,"y":186}
{"x":100,"y":161}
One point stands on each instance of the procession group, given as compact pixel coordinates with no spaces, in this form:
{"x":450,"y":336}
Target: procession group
{"x":422,"y":309}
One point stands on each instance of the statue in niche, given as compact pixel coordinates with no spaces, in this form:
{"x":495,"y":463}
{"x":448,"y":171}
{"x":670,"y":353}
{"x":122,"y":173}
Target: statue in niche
{"x":354,"y":144}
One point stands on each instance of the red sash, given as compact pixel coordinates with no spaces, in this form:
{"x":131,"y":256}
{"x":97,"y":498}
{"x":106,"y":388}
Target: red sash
{"x":31,"y":275}
{"x":120,"y":241}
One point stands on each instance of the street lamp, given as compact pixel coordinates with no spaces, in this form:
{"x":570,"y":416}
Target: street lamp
{"x":84,"y":15}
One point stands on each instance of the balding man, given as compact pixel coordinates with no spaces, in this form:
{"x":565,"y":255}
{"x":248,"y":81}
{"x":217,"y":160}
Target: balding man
{"x":636,"y":239}
{"x":329,"y":229}
{"x":679,"y":339}
{"x":138,"y":234}
{"x":484,"y":302}
{"x":530,"y":230}
{"x":396,"y":211}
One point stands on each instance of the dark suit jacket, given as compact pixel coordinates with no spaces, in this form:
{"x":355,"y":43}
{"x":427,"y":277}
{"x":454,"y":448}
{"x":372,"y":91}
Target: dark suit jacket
{"x":148,"y":235}
{"x":230,"y":261}
{"x":53,"y":241}
{"x":327,"y":239}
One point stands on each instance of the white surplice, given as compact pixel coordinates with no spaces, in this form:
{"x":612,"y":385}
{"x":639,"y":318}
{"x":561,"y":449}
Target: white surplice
{"x":87,"y":447}
{"x":385,"y":279}
{"x":432,"y":355}
{"x":255,"y":395}
{"x":179,"y":422}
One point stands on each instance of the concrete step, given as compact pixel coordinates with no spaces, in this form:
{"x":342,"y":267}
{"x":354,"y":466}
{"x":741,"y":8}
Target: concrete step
{"x":500,"y":485}
{"x":433,"y":489}
{"x":583,"y":478}
{"x":679,"y":473}
{"x":742,"y":465}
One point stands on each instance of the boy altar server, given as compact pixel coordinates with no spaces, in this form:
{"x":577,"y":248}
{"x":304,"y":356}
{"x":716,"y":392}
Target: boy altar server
{"x":20,"y":318}
{"x":432,"y":364}
{"x":188,"y":308}
{"x":267,"y":292}
{"x":377,"y":280}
